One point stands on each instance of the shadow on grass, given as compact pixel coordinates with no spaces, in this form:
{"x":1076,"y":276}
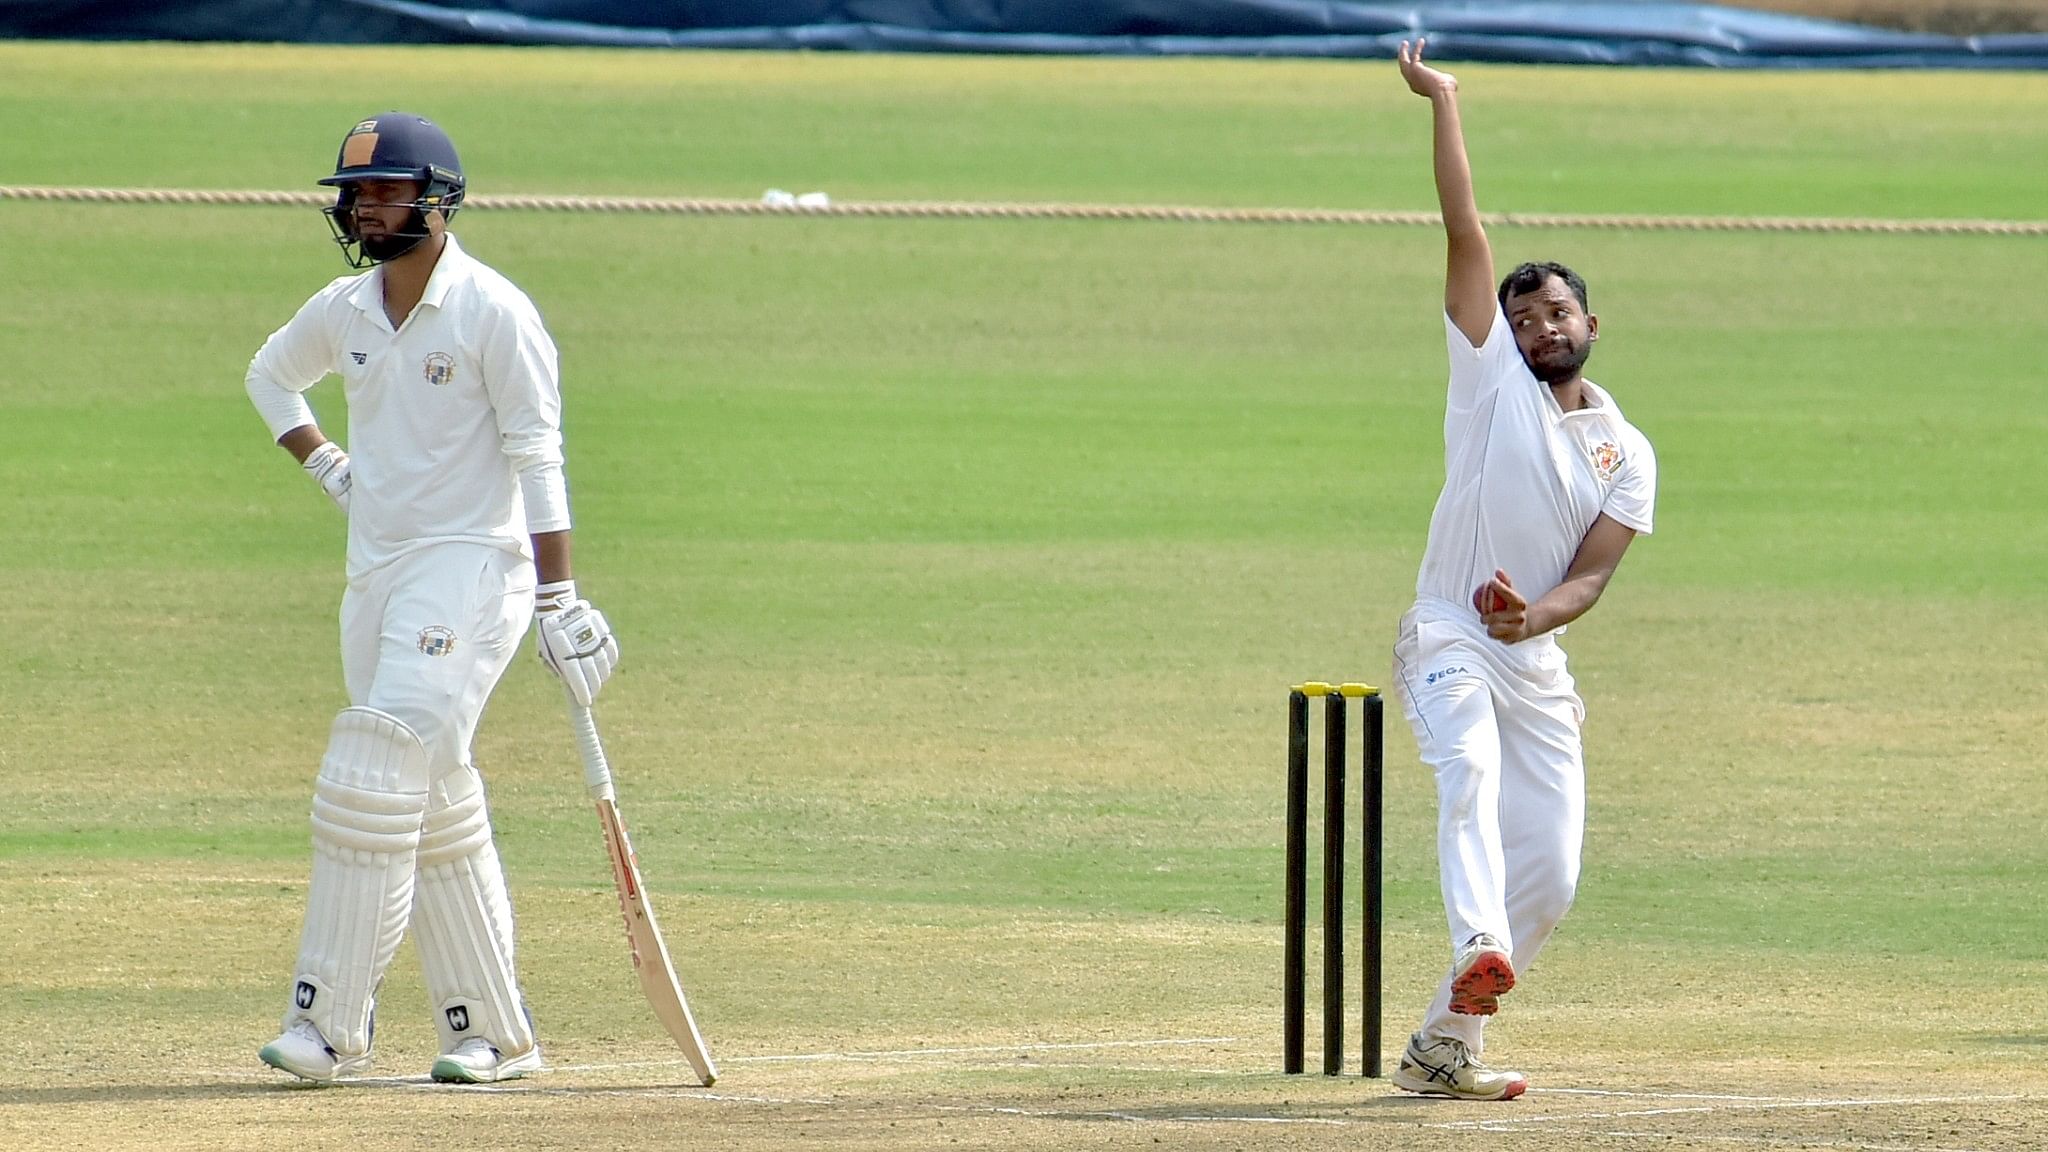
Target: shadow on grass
{"x":2036,"y":1041}
{"x":137,"y":1093}
{"x":256,"y":1089}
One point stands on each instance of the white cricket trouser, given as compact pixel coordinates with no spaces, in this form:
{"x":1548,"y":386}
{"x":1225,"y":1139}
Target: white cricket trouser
{"x":426,"y":637}
{"x":1499,"y":724}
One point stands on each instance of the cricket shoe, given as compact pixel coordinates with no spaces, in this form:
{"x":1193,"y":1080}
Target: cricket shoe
{"x":304,"y":1053}
{"x":475,"y":1061}
{"x":1443,"y":1066}
{"x":1481,"y":974}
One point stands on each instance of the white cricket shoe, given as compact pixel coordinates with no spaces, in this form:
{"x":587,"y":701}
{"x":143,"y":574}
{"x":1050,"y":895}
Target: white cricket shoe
{"x":304,"y":1053}
{"x":475,"y":1061}
{"x":1443,"y":1066}
{"x":1480,"y":975}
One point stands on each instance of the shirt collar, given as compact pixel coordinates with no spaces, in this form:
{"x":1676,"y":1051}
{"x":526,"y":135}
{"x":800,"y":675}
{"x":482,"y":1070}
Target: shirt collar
{"x":1598,"y":404}
{"x":450,"y":269}
{"x":368,"y":294}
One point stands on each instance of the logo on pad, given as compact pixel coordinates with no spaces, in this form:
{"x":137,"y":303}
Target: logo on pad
{"x":458,"y":1019}
{"x":304,"y":995}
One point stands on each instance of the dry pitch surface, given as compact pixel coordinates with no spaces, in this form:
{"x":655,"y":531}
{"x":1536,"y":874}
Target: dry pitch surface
{"x":1188,"y":1092}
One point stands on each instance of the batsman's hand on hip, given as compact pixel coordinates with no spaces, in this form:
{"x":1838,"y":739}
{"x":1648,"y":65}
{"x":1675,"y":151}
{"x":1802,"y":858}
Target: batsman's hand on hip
{"x":328,"y":466}
{"x":576,"y":641}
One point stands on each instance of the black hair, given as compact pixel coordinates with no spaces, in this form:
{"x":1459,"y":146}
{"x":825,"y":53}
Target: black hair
{"x":1530,"y":277}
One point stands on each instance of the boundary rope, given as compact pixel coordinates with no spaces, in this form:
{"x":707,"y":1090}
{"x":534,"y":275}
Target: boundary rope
{"x":969,"y":210}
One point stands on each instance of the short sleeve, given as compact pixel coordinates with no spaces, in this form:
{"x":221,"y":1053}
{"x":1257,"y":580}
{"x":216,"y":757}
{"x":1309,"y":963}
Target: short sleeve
{"x":1633,"y":499}
{"x":1477,"y":372}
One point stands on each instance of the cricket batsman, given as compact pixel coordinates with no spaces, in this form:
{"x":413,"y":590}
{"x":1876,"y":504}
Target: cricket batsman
{"x":456,"y":503}
{"x":1545,"y":485}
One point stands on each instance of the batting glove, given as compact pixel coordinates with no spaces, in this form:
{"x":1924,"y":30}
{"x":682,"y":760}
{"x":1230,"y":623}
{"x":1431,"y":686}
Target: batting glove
{"x":328,"y":466}
{"x":576,"y":641}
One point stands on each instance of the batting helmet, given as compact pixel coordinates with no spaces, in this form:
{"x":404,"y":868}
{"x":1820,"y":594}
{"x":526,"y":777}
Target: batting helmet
{"x":394,"y":146}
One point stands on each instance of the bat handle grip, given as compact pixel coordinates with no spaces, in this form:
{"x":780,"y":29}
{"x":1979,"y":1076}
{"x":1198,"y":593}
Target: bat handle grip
{"x":597,"y":775}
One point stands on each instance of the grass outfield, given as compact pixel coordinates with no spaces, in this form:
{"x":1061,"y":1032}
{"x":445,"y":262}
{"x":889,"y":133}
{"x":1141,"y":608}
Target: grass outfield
{"x":960,"y":569}
{"x":1254,"y":132}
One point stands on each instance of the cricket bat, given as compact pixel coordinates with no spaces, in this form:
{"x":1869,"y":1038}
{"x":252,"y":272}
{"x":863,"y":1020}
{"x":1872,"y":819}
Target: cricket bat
{"x":643,"y":935}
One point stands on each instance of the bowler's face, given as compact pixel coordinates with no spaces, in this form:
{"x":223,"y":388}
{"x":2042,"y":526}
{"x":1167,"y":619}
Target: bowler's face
{"x":1553,"y":331}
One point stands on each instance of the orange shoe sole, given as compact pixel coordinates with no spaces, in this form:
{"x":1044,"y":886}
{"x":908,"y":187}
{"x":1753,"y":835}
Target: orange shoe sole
{"x":1478,"y":991}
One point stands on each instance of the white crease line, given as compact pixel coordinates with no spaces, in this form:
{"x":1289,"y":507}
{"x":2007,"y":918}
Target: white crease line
{"x":1042,"y":1066}
{"x":1062,"y":1066}
{"x":1783,"y":1141}
{"x":1654,"y":1095}
{"x":910,"y":1056}
{"x":640,"y":1093}
{"x":1506,"y":1123}
{"x":978,"y":1051}
{"x":1132,"y":1118}
{"x":1501,"y":1125}
{"x":298,"y":881}
{"x":1498,"y":1125}
{"x":904,"y":1055}
{"x":1325,"y":1120}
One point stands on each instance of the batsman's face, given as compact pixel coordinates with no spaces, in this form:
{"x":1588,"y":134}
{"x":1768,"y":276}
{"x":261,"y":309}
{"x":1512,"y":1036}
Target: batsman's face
{"x":1554,"y":332}
{"x":384,"y":207}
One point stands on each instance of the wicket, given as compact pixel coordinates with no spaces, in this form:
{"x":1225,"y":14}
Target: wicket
{"x":1294,"y":1010}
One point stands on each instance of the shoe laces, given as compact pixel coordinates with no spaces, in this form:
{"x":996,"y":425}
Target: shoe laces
{"x":1484,"y":942}
{"x":307,"y":1029}
{"x":1460,"y":1056}
{"x":475,"y":1046}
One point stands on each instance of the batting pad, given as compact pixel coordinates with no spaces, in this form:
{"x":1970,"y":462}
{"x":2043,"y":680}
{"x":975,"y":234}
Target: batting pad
{"x":462,"y":921}
{"x":368,"y":804}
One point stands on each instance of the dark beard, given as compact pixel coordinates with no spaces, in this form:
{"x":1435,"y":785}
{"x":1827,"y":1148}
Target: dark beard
{"x":390,"y":247}
{"x":1554,"y":371}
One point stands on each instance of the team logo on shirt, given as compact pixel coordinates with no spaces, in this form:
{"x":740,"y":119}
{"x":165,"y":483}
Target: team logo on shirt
{"x":1606,"y":458}
{"x":360,"y":357}
{"x":440,"y":369}
{"x":436,"y":640}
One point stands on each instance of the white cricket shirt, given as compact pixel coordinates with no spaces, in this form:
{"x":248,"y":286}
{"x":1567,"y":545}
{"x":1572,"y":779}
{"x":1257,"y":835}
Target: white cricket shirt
{"x":1523,"y":479}
{"x":454,"y":419}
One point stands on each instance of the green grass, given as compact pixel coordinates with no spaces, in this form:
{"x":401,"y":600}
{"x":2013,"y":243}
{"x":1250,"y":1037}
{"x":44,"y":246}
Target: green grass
{"x":960,"y":565}
{"x":1269,"y":132}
